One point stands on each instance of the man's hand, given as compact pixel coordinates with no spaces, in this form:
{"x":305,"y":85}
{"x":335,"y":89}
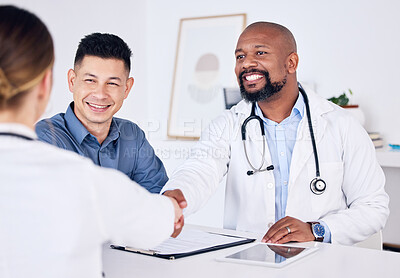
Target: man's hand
{"x":180,"y":200}
{"x":177,"y":210}
{"x":279,"y":232}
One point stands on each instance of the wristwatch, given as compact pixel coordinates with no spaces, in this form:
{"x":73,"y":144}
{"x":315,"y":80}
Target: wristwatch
{"x":318,"y":230}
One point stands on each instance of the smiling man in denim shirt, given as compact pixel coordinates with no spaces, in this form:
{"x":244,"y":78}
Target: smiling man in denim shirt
{"x":100,"y":83}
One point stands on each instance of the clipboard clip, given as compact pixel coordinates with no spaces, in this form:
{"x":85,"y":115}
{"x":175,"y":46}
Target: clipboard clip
{"x":141,"y":251}
{"x":136,"y":250}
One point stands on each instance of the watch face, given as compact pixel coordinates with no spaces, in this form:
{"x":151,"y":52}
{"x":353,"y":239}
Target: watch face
{"x":319,"y":230}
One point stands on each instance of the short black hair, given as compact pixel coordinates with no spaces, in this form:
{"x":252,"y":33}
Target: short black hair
{"x":105,"y":46}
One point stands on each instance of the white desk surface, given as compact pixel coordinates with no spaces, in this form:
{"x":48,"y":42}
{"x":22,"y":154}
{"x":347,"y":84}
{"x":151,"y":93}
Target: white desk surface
{"x":330,"y":261}
{"x":388,"y":158}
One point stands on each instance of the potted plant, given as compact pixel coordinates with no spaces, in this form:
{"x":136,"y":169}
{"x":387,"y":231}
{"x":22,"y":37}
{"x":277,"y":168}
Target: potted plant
{"x":343,"y":101}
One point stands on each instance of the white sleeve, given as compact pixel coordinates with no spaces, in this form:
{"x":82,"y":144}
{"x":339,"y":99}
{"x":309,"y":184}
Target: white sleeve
{"x":363,"y":186}
{"x":200,"y":175}
{"x":128,"y":213}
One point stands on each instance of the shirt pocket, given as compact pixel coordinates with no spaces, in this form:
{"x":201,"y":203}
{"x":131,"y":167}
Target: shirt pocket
{"x":332,"y":198}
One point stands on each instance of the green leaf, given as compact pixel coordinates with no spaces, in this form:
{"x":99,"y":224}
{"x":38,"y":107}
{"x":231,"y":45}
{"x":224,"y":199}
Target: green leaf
{"x":342,"y":100}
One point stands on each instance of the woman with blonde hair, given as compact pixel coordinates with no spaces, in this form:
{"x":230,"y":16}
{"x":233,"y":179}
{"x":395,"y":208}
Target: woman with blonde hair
{"x":56,"y":207}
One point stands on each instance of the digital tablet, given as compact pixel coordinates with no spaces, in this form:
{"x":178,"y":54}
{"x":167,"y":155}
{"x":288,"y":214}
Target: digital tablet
{"x":271,"y":255}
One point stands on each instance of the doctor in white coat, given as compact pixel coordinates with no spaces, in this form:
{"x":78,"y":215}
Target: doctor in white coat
{"x":351,"y":206}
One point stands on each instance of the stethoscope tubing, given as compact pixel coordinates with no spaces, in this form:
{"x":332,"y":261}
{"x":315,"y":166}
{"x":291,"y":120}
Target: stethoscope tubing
{"x":315,"y":184}
{"x":314,"y":146}
{"x":16,"y":135}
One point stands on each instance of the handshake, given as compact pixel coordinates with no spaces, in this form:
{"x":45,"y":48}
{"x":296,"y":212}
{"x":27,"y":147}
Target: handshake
{"x":179,"y":202}
{"x":285,"y":230}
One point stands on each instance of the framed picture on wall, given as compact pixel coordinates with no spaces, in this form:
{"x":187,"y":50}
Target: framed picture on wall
{"x":204,"y":66}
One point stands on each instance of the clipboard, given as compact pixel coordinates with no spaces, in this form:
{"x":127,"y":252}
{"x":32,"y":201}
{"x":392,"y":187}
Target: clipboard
{"x":189,"y":243}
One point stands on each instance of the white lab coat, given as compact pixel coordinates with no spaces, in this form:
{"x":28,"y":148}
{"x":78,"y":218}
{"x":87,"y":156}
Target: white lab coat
{"x":354,"y":205}
{"x":58,"y":208}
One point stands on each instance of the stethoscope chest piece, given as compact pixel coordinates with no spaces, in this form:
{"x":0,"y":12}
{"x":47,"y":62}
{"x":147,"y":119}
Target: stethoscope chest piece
{"x":318,"y":186}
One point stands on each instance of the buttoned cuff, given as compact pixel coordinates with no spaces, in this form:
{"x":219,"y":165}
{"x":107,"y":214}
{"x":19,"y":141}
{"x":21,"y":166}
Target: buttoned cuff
{"x":327,"y":236}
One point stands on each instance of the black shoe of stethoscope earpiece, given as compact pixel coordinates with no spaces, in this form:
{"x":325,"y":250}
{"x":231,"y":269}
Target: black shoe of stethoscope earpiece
{"x":318,"y":186}
{"x":249,"y":173}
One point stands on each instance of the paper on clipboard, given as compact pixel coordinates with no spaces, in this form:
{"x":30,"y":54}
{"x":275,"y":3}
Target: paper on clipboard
{"x":190,"y":242}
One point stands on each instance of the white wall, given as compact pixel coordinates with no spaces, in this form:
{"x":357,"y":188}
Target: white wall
{"x":69,"y":21}
{"x":391,"y":233}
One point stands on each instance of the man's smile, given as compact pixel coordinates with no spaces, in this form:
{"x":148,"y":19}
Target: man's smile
{"x":98,"y":107}
{"x":253,"y":77}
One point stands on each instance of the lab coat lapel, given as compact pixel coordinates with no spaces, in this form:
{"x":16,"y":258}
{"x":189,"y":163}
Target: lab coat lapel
{"x":303,"y":147}
{"x":254,"y":136}
{"x":254,"y":139}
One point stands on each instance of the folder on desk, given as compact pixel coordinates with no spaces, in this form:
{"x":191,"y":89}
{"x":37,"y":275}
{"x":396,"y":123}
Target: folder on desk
{"x":189,"y":242}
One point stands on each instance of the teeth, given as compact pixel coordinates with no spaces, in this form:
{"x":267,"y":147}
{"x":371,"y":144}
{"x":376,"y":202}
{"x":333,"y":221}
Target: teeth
{"x":253,"y":77}
{"x":98,"y":106}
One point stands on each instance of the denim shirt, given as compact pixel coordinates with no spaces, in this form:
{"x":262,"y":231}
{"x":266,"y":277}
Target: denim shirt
{"x":125,"y":148}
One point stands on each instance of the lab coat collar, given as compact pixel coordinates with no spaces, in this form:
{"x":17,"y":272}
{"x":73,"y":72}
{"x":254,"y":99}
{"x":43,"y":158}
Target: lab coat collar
{"x":318,"y":105}
{"x":303,"y":148}
{"x":253,"y":132}
{"x":18,"y":129}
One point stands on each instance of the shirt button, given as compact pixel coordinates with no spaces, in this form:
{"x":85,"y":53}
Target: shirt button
{"x":270,"y":185}
{"x":270,"y":224}
{"x":282,"y":153}
{"x":285,"y":182}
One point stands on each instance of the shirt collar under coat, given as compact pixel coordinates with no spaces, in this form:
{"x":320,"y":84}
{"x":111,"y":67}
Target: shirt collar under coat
{"x":303,"y":148}
{"x":79,"y":131}
{"x":318,"y":106}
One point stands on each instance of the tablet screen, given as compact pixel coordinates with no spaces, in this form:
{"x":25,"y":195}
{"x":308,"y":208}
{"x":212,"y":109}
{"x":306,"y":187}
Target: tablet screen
{"x":269,"y":254}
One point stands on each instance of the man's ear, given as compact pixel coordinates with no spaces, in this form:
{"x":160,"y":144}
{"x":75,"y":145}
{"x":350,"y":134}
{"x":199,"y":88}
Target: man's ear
{"x":129,"y":84}
{"x":46,"y":85}
{"x":292,"y":62}
{"x":71,"y":76}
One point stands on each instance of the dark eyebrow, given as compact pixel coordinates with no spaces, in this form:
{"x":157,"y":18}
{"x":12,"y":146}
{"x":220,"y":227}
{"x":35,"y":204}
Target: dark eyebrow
{"x":90,"y":75}
{"x":115,"y":78}
{"x":110,"y":78}
{"x":261,"y":46}
{"x":256,"y":46}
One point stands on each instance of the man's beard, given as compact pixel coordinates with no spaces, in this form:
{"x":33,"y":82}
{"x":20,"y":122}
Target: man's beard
{"x":270,"y":88}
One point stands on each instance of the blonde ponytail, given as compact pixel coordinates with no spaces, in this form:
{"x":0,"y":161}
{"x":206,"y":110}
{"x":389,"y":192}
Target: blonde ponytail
{"x":26,"y":53}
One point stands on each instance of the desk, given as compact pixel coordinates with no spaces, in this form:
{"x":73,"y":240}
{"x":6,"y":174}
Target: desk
{"x":329,"y":261}
{"x":388,"y":158}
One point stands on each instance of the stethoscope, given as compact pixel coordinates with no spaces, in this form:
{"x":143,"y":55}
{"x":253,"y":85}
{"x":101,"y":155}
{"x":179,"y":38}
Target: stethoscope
{"x":16,"y":135}
{"x":317,"y":185}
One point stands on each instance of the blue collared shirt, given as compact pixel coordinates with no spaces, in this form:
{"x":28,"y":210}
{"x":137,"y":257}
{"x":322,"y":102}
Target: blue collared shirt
{"x":281,"y":138}
{"x":125,"y":148}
